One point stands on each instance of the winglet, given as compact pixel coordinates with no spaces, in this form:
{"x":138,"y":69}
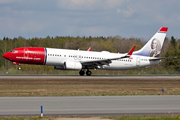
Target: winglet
{"x":131,"y":51}
{"x":89,"y":49}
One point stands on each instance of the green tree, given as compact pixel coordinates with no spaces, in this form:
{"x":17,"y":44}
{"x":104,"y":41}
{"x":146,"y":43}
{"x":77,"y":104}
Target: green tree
{"x":173,"y":51}
{"x":138,"y":47}
{"x":173,"y":42}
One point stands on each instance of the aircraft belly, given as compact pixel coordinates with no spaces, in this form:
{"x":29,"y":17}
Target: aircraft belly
{"x":54,"y":61}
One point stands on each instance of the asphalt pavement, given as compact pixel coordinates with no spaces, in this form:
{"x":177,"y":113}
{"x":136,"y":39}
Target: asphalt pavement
{"x":90,"y":105}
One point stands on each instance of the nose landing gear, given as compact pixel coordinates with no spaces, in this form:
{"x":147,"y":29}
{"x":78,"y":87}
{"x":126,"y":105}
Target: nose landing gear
{"x":19,"y":68}
{"x":15,"y":63}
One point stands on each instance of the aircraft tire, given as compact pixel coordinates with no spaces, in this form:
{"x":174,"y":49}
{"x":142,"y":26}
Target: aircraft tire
{"x":88,"y":73}
{"x":81,"y":73}
{"x":19,"y":68}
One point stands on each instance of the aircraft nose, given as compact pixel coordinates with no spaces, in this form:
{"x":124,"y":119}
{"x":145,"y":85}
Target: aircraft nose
{"x":6,"y":55}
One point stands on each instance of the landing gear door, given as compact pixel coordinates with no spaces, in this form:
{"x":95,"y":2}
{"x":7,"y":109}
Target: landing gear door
{"x":137,"y":61}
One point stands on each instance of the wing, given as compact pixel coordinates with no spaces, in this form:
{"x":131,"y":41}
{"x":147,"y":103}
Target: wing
{"x":99,"y":63}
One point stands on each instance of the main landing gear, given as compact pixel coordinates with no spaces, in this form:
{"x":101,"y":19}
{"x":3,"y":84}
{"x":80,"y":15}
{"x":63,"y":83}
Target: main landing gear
{"x":88,"y":73}
{"x":82,"y":72}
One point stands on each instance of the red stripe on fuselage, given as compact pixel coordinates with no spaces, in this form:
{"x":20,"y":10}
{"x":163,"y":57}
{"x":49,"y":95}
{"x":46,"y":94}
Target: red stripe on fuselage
{"x":28,"y":55}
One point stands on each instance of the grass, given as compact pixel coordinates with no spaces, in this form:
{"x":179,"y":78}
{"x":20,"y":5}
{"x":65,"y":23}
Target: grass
{"x":144,"y":117}
{"x":88,"y":87}
{"x":23,"y":118}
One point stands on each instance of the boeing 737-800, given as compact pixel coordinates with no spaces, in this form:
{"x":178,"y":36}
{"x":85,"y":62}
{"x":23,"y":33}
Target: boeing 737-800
{"x":65,"y":59}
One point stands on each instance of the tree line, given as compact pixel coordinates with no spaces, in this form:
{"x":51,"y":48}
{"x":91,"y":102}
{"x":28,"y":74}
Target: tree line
{"x":171,"y":48}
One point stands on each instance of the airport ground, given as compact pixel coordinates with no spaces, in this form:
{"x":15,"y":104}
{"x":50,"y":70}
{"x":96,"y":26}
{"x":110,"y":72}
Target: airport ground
{"x":148,"y":117}
{"x":90,"y":86}
{"x":35,"y":86}
{"x":89,"y":106}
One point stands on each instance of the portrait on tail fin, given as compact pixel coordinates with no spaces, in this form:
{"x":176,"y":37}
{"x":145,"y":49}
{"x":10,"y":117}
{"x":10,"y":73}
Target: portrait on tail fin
{"x":155,"y":48}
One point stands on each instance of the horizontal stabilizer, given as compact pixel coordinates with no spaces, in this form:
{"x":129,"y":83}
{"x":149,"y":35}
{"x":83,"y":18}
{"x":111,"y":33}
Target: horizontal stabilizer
{"x":154,"y":59}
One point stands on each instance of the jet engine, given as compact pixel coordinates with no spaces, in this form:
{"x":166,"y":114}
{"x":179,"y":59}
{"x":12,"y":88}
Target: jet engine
{"x":72,"y":65}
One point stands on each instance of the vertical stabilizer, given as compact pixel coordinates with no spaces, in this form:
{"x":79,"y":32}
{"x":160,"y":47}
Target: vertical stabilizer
{"x":153,"y":47}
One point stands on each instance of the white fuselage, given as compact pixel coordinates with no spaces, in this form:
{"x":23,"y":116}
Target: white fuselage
{"x":57,"y":57}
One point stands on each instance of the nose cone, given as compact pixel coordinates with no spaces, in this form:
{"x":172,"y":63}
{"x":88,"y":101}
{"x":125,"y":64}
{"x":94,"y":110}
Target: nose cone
{"x":6,"y":55}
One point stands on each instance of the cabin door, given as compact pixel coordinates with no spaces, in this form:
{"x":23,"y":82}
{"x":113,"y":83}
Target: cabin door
{"x":137,"y":61}
{"x":25,"y":52}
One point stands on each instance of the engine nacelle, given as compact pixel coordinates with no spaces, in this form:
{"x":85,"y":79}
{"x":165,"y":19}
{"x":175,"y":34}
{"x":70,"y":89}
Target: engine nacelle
{"x":59,"y":67}
{"x":72,"y":65}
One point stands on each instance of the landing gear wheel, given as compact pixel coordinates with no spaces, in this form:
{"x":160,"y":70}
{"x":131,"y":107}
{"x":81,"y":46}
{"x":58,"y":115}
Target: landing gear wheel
{"x":88,"y":73}
{"x":81,"y":73}
{"x":19,"y":68}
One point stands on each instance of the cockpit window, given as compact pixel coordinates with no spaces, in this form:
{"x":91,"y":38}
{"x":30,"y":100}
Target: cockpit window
{"x":14,"y":51}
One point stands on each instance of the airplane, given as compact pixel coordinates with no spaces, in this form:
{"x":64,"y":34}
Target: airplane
{"x":83,"y":61}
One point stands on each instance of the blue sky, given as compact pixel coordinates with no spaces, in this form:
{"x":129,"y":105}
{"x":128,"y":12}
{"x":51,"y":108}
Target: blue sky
{"x":126,"y":18}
